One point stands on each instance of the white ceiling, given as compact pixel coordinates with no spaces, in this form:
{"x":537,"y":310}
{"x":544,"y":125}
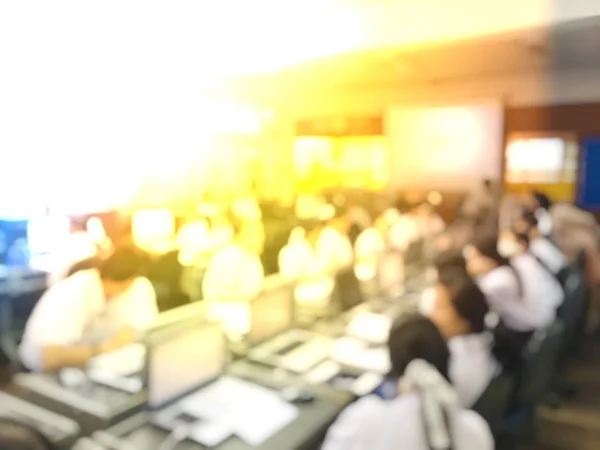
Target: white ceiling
{"x":569,"y":47}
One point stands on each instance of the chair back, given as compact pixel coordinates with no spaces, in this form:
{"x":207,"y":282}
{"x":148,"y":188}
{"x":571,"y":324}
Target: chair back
{"x":494,"y":402}
{"x":538,"y":363}
{"x":572,"y":311}
{"x":15,"y":435}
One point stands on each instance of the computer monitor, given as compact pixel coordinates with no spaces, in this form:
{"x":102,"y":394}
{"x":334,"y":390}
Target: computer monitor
{"x":185,"y":313}
{"x":183,"y":361}
{"x":271,"y":313}
{"x":348,"y":289}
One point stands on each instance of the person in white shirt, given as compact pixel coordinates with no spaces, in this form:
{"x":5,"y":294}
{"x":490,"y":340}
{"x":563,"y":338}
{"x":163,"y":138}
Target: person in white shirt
{"x":520,"y":291}
{"x":334,"y":245}
{"x":301,"y":260}
{"x":97,"y":309}
{"x":542,"y":205}
{"x":420,"y":359}
{"x":460,"y":312}
{"x":368,"y":249}
{"x":540,"y":246}
{"x":296,"y":255}
{"x":404,"y":230}
{"x":235,"y":275}
{"x":78,"y":246}
{"x":430,"y":223}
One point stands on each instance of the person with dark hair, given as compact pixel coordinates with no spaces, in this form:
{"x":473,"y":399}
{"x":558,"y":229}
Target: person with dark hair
{"x":542,"y":205}
{"x":98,"y":308}
{"x":449,"y":260}
{"x":460,"y":311}
{"x":333,"y":244}
{"x":419,"y":359}
{"x":235,"y":275}
{"x":545,"y":251}
{"x":523,"y":294}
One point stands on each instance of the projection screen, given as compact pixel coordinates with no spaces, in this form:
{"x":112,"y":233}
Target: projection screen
{"x":448,"y":148}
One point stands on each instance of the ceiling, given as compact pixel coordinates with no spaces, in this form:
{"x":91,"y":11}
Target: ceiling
{"x":570,"y":46}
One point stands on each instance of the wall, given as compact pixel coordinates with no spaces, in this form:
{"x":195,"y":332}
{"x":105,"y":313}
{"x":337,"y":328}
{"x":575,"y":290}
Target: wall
{"x":513,"y":90}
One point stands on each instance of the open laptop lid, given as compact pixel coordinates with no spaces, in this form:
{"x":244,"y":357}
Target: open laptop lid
{"x":191,"y":312}
{"x":182,"y":359}
{"x":348,"y":291}
{"x":271,"y":312}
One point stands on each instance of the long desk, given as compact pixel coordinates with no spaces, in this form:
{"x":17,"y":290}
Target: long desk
{"x":92,"y":406}
{"x":305,"y":432}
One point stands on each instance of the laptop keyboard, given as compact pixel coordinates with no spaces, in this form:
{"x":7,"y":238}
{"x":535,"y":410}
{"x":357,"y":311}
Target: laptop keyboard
{"x":308,"y":355}
{"x":56,"y":428}
{"x":290,"y":347}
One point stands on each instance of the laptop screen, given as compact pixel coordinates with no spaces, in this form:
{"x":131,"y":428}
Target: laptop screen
{"x":271,"y":313}
{"x":178,"y":315}
{"x":185,"y":361}
{"x":349,"y":291}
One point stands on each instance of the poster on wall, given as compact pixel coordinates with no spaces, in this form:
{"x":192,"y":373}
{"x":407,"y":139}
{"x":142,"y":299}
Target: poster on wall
{"x":449,"y":148}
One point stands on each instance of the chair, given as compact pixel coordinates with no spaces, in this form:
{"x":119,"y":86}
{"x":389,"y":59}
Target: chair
{"x":16,"y":435}
{"x":538,"y":362}
{"x":494,"y":402}
{"x":572,"y":311}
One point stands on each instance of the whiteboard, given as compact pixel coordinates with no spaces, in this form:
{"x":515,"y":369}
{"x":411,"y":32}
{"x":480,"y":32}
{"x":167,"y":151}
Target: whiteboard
{"x":451,"y":148}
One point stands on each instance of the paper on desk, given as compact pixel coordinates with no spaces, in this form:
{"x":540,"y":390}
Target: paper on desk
{"x":209,"y":433}
{"x":254,"y":413}
{"x":123,"y":362}
{"x":366,"y":383}
{"x":357,"y":354}
{"x":370,"y":327}
{"x":323,"y":372}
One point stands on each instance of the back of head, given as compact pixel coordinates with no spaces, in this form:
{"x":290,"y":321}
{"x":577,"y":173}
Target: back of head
{"x":416,"y":337}
{"x":468,"y":300}
{"x":125,"y":263}
{"x":530,"y":220}
{"x":542,"y":200}
{"x":450,"y":259}
{"x":487,"y":246}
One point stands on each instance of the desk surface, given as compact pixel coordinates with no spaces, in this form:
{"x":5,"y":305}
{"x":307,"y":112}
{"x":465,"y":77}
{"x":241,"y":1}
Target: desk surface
{"x":303,"y":433}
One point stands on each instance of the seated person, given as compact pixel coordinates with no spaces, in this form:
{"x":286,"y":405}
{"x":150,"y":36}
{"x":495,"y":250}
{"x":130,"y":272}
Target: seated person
{"x":430,"y":223}
{"x":540,"y":246}
{"x":520,"y":291}
{"x":294,"y":256}
{"x":78,"y":246}
{"x":542,"y":206}
{"x":193,"y":241}
{"x":97,"y":309}
{"x":311,"y":268}
{"x":368,"y":249}
{"x":404,"y":230}
{"x":333,"y":244}
{"x":420,"y":359}
{"x":460,"y":311}
{"x":235,"y":274}
{"x":449,"y":260}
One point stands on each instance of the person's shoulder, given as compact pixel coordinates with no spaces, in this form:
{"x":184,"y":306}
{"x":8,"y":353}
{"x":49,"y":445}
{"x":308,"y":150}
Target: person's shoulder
{"x":365,"y":407}
{"x":472,"y":428}
{"x":142,"y":284}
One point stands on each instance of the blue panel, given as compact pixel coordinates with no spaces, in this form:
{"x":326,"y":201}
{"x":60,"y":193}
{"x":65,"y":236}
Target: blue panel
{"x":589,"y":175}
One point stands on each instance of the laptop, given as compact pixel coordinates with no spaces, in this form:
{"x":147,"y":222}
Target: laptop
{"x":181,"y":361}
{"x":60,"y":430}
{"x":348,"y":290}
{"x":274,"y":341}
{"x":192,"y":398}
